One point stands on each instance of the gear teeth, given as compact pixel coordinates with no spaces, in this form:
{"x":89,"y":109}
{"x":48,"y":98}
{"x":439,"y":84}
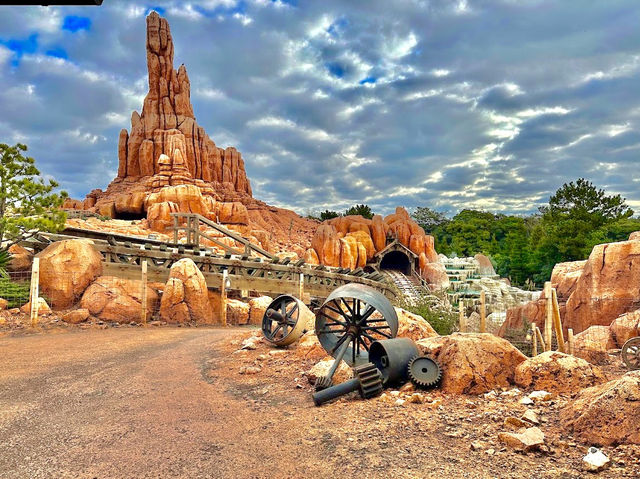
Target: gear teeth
{"x":420,"y":381}
{"x":370,"y":380}
{"x":323,"y":382}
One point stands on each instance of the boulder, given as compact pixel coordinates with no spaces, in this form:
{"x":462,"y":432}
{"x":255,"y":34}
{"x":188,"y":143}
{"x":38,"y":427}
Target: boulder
{"x":365,"y":240}
{"x":594,"y":343}
{"x":558,"y":373}
{"x":413,"y":326}
{"x":21,"y":258}
{"x":76,"y":316}
{"x":234,"y":213}
{"x":308,"y":347}
{"x":436,"y":276}
{"x":321,"y":368}
{"x":43,"y":308}
{"x":485,"y":267}
{"x":474,"y":363}
{"x":607,"y":414}
{"x":311,"y":257}
{"x":67,"y":268}
{"x":237,"y":312}
{"x":527,"y":440}
{"x":379,"y":232}
{"x":159,"y":215}
{"x":257,"y":308}
{"x":185,"y":296}
{"x":625,"y":327}
{"x":116,"y":299}
{"x":4,"y":304}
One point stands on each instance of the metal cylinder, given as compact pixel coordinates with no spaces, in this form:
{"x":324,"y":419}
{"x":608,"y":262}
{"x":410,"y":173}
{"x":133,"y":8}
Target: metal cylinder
{"x":321,"y":397}
{"x":391,"y":357}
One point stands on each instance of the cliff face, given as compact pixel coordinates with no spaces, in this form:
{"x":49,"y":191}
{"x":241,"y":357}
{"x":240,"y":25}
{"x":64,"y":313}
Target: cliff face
{"x":167,"y":123}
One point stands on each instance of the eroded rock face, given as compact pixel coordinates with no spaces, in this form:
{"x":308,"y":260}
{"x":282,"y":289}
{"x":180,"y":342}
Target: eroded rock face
{"x":625,"y":327}
{"x":117,"y":299}
{"x":412,"y":326}
{"x":237,"y":312}
{"x":21,"y":258}
{"x":594,"y":343}
{"x":185,"y":296}
{"x":557,"y":372}
{"x":607,"y":414}
{"x":257,"y":308}
{"x":474,"y":363}
{"x":67,"y":268}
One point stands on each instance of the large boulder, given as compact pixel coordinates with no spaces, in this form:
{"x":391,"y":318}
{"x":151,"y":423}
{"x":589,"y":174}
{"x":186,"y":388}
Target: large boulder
{"x":607,"y":287}
{"x":594,"y":343}
{"x":557,"y":372}
{"x":485,"y":266}
{"x":411,"y":325}
{"x":607,"y":414}
{"x":435,"y":274}
{"x":21,"y":258}
{"x":117,"y":299}
{"x":474,"y":363}
{"x":257,"y":308}
{"x":185,"y":296}
{"x":67,"y":268}
{"x":625,"y":327}
{"x":237,"y":311}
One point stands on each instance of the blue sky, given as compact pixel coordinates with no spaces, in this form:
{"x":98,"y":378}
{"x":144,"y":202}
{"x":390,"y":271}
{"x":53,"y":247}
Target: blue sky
{"x":487,"y":104}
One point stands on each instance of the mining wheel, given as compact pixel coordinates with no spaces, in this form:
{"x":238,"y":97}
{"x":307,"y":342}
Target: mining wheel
{"x":286,"y":320}
{"x":631,"y":353}
{"x":353,"y":317}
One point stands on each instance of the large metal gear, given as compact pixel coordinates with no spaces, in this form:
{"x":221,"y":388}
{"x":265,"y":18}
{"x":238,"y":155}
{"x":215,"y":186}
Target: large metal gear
{"x":391,"y":357}
{"x":631,"y":353}
{"x":424,"y":372}
{"x":352,"y":317}
{"x":286,"y":320}
{"x":367,"y":381}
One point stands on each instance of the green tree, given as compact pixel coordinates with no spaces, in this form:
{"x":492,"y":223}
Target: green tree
{"x":327,"y":215}
{"x":362,"y":210}
{"x":430,"y":220}
{"x":28,"y":204}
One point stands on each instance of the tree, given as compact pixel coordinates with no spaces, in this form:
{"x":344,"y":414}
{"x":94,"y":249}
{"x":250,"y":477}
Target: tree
{"x":429,"y":219}
{"x":327,"y":215}
{"x":362,"y":210}
{"x":27,"y":203}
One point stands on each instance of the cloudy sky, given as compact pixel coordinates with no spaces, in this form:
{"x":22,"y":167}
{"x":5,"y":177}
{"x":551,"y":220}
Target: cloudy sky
{"x":488,"y":104}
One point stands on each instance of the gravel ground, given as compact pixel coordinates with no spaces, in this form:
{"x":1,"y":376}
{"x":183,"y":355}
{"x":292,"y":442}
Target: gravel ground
{"x":165,"y":402}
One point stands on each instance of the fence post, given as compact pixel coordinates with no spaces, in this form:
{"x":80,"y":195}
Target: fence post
{"x":34,"y":293}
{"x":557,"y":322}
{"x":534,"y":340}
{"x":463,"y":319}
{"x":483,"y":313}
{"x":175,"y":230}
{"x":144,"y":292}
{"x":223,"y":298}
{"x":570,"y":340}
{"x":543,"y":346}
{"x":549,"y":318}
{"x":301,"y":287}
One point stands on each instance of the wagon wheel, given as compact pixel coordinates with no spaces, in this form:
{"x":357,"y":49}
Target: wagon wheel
{"x":631,"y":353}
{"x":353,"y":317}
{"x":285,"y":320}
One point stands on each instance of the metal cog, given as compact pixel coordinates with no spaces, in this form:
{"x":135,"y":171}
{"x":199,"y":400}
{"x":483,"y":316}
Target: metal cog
{"x":370,"y":380}
{"x":424,"y":371}
{"x":323,"y":382}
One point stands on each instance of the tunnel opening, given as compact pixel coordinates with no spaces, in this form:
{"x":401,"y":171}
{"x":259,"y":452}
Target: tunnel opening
{"x":123,"y":215}
{"x":396,"y":260}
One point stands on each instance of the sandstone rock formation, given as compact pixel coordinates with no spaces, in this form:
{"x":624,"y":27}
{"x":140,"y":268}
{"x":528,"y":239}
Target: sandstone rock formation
{"x":21,"y":258}
{"x":558,"y":373}
{"x":185,"y":296}
{"x":625,"y":327}
{"x":43,"y":308}
{"x":237,"y":312}
{"x":76,"y":316}
{"x":474,"y":363}
{"x":67,"y":268}
{"x":257,"y":308}
{"x":607,"y":414}
{"x":413,"y":326}
{"x":117,"y":299}
{"x":593,"y":344}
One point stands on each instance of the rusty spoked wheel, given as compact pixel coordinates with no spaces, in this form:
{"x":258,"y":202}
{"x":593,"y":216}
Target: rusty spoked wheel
{"x":286,"y":320}
{"x":353,"y":317}
{"x":631,"y":353}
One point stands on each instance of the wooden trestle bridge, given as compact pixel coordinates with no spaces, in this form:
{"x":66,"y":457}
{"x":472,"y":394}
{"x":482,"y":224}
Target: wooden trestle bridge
{"x":249,"y":269}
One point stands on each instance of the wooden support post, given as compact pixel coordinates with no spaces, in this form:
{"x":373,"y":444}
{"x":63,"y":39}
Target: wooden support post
{"x":463,"y":318}
{"x":534,"y":341}
{"x":483,"y":313}
{"x":196,"y":232}
{"x":570,"y":340}
{"x":548,"y":328}
{"x":301,"y":287}
{"x":557,"y":322}
{"x":175,"y":230}
{"x":34,"y":292}
{"x":543,"y":346}
{"x":143,"y":311}
{"x":223,"y":298}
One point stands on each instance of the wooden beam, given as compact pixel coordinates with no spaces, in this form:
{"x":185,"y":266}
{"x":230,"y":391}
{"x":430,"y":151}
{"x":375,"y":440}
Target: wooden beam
{"x":143,"y":311}
{"x":548,"y":323}
{"x":570,"y":340}
{"x":483,"y":313}
{"x":557,"y":322}
{"x":34,"y":292}
{"x":534,"y":340}
{"x":543,"y":346}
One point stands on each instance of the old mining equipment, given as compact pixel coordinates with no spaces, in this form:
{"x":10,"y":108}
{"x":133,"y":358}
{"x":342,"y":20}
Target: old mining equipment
{"x":424,"y":372}
{"x":392,"y":357}
{"x":631,"y":353}
{"x":286,"y":320}
{"x":367,"y":381}
{"x":352,"y":318}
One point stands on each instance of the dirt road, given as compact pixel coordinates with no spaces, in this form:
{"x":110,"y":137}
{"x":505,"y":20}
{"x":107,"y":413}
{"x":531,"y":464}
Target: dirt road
{"x":168,"y":402}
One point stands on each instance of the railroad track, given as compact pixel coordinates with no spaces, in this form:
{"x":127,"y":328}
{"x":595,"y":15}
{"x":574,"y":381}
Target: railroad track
{"x":412,"y":288}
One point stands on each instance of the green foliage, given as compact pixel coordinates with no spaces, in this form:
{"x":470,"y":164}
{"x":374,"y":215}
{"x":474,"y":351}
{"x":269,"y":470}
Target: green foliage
{"x":444,"y":322}
{"x":15,"y":292}
{"x":327,"y":215}
{"x":5,"y":258}
{"x":428,"y":219}
{"x":27,"y":203}
{"x":362,"y":210}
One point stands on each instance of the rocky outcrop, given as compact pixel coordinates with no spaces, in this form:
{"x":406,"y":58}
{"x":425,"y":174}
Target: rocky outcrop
{"x":185,"y":296}
{"x":485,"y":266}
{"x":413,"y":326}
{"x":117,"y":299}
{"x":67,"y":268}
{"x":558,"y":373}
{"x":257,"y":308}
{"x":607,"y":414}
{"x":21,"y":258}
{"x":474,"y":363}
{"x":237,"y":312}
{"x":625,"y":327}
{"x":594,"y":343}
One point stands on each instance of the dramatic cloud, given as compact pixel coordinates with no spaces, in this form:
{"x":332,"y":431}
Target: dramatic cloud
{"x":490,"y":104}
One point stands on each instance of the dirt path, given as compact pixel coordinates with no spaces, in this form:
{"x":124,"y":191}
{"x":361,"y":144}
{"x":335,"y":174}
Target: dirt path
{"x":168,"y":402}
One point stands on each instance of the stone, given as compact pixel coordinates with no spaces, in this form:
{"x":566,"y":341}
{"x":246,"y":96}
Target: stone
{"x":594,"y":343}
{"x":185,"y":297}
{"x":531,"y":417}
{"x":606,"y":414}
{"x":117,"y":299}
{"x":21,"y":258}
{"x":67,"y":268}
{"x":76,"y":316}
{"x":413,"y":326}
{"x":625,"y":327}
{"x":237,"y":312}
{"x":43,"y":308}
{"x":321,"y":368}
{"x":529,"y":439}
{"x":473,"y":363}
{"x":558,"y":373}
{"x":379,"y":232}
{"x":257,"y":308}
{"x":540,"y":396}
{"x":485,"y":266}
{"x":159,"y":215}
{"x":234,"y":213}
{"x":595,"y":460}
{"x":4,"y":304}
{"x":436,"y":276}
{"x":308,"y":347}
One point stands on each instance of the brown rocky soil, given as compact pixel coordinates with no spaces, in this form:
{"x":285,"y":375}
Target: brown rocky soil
{"x":172,"y":402}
